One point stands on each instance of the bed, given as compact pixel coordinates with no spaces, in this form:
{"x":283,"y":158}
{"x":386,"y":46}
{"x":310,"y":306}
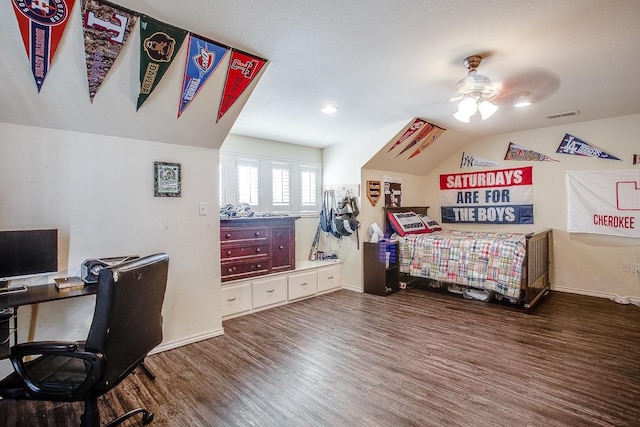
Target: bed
{"x":511,"y":266}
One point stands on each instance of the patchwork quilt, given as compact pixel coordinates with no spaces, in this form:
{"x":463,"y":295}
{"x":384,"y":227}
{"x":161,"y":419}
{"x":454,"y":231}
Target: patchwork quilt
{"x":491,"y":261}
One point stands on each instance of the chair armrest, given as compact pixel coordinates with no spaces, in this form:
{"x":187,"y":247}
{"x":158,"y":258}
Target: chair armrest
{"x":70,"y":349}
{"x":42,"y":347}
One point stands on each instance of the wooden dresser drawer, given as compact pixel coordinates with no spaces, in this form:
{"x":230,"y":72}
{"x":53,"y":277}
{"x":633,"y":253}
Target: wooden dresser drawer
{"x":249,"y":233}
{"x":235,"y":299}
{"x":235,"y":250}
{"x":329,"y":278}
{"x":303,"y":285}
{"x":241,"y":269}
{"x":269,"y":292}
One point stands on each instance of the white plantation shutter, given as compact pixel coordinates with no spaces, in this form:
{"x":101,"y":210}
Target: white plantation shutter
{"x":249,"y":183}
{"x":308,"y":188}
{"x":280,"y":190}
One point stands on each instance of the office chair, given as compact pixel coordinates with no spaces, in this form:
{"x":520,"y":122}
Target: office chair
{"x":127,"y":325}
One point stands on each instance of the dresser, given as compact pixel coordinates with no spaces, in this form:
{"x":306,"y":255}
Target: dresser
{"x":255,"y":246}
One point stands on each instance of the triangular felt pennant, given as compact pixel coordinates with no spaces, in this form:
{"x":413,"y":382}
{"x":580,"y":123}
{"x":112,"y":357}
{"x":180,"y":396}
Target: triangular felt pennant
{"x":577,"y":147}
{"x":202,"y":60}
{"x":424,"y":131}
{"x":517,"y":152}
{"x":159,"y":44}
{"x":405,"y":133}
{"x":106,"y":29}
{"x":242,"y":70}
{"x":41,"y":24}
{"x":428,"y":140}
{"x":471,"y":161}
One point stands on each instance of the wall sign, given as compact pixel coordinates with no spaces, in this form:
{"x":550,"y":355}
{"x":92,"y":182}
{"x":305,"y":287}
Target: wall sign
{"x":501,"y":196}
{"x":167,"y":179}
{"x":373,"y":192}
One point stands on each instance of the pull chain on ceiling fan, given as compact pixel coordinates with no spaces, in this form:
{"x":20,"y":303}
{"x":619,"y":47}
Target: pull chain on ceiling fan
{"x":475,"y":91}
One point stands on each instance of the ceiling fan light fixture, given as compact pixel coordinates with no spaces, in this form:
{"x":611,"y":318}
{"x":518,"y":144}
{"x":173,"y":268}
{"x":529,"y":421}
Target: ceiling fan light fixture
{"x":487,"y":109}
{"x":462,"y":117}
{"x":468,"y":106}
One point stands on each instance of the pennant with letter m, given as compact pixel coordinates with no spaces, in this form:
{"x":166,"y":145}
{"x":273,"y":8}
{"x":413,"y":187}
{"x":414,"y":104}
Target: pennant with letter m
{"x":41,"y":23}
{"x":203,"y":58}
{"x":106,"y":29}
{"x":242,"y":70}
{"x":159,"y":44}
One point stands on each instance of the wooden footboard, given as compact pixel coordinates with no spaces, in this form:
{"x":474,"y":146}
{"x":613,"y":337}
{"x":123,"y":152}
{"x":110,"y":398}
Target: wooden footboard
{"x":535,"y":281}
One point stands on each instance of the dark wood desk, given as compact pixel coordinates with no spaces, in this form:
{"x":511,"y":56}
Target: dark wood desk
{"x":33,"y":295}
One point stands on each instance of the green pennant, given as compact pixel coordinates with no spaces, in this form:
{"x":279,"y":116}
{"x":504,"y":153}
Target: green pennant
{"x":159,"y":44}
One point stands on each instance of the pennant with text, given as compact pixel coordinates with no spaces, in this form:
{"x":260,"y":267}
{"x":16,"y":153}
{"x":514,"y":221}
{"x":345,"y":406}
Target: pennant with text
{"x":517,"y":152}
{"x":422,"y":133}
{"x":41,"y":24}
{"x":242,"y":70}
{"x":407,"y":131}
{"x":577,"y":147}
{"x":106,"y":29}
{"x":159,"y":44}
{"x":428,"y":140}
{"x":202,"y":60}
{"x":471,"y":161}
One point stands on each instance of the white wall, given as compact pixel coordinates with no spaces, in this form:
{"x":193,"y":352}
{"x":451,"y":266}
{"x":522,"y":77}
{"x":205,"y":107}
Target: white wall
{"x":98,"y":191}
{"x":589,"y":264}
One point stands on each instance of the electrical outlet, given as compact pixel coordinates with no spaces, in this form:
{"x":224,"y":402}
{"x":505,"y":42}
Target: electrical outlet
{"x":626,"y":267}
{"x":202,"y":208}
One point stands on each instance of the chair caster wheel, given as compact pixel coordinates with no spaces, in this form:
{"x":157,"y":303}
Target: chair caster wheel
{"x":147,"y":418}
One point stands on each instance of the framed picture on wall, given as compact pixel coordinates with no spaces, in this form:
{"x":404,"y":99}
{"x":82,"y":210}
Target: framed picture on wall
{"x":167,"y":179}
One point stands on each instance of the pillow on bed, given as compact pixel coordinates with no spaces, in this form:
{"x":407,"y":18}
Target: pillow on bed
{"x":431,"y":224}
{"x":405,"y":223}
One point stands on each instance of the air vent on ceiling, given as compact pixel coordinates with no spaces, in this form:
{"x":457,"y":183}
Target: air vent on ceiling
{"x":567,"y":114}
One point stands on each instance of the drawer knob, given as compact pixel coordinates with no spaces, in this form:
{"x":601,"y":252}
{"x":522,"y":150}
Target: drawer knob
{"x":303,"y":284}
{"x":330,"y":278}
{"x":228,"y":253}
{"x":228,"y":235}
{"x":257,"y":233}
{"x":281,"y":247}
{"x":258,"y":266}
{"x":231,"y":299}
{"x":232,"y":269}
{"x":270,"y":291}
{"x":258,"y":250}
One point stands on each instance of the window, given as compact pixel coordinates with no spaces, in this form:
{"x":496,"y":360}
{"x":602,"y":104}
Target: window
{"x":248,"y":182}
{"x":269,"y":185}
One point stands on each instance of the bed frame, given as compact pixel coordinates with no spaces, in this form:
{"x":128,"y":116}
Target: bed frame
{"x":535,"y":277}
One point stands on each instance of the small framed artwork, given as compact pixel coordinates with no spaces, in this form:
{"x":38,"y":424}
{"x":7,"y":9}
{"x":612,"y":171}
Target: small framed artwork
{"x":167,"y":179}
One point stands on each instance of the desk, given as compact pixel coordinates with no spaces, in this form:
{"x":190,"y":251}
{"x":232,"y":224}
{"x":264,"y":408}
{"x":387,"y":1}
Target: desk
{"x":33,"y":295}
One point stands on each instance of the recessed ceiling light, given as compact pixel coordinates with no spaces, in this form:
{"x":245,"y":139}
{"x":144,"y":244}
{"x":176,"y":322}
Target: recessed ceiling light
{"x":329,"y":109}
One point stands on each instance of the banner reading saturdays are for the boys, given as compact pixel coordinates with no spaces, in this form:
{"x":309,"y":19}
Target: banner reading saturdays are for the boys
{"x":501,"y":196}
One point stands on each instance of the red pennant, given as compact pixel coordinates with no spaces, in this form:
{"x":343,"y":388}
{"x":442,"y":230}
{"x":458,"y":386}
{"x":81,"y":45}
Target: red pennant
{"x":41,"y":24}
{"x":242,"y":70}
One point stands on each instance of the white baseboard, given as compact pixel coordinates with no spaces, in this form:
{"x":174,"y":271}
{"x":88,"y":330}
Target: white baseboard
{"x":352,"y":288}
{"x":189,"y":340}
{"x":633,"y":300}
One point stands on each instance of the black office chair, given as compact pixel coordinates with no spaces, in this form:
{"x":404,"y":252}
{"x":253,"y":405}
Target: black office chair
{"x":127,"y":325}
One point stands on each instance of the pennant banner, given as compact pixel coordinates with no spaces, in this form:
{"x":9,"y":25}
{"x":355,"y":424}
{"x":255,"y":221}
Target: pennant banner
{"x":241,"y":72}
{"x":106,"y":29}
{"x":202,"y":60}
{"x":159,"y":44}
{"x":501,"y":196}
{"x":408,"y":130}
{"x":516,"y":152}
{"x":428,"y":140}
{"x":471,"y":161}
{"x":604,"y":202}
{"x":574,"y":146}
{"x":41,"y":24}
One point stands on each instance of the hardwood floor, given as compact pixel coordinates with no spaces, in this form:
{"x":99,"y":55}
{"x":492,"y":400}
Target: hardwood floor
{"x":415,"y":358}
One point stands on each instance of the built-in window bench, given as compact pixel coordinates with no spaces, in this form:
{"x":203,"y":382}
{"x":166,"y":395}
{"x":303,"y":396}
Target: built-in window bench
{"x":308,"y":279}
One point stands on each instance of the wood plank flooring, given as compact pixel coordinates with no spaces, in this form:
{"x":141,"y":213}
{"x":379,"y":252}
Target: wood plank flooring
{"x":415,"y":358}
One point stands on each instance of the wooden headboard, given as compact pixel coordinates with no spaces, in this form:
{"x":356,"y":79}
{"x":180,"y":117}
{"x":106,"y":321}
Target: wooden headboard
{"x":420,"y":210}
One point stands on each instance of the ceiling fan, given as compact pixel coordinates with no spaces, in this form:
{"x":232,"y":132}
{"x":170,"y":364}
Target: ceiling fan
{"x":475,"y":92}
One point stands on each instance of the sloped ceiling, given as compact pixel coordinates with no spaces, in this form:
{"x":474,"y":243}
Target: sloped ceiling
{"x":381,"y":62}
